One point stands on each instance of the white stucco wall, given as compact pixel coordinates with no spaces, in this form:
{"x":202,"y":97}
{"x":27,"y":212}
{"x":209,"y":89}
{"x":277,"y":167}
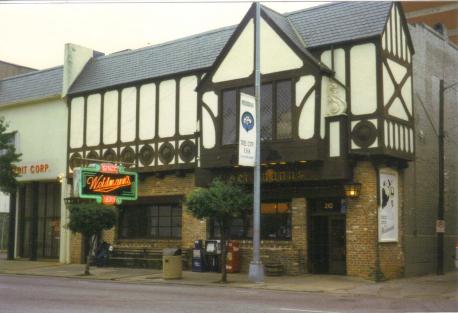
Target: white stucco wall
{"x":42,"y":139}
{"x":41,"y":136}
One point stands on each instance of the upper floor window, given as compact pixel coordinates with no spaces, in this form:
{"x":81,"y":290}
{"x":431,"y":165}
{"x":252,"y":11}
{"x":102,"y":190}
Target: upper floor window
{"x":276,"y":116}
{"x":10,"y":142}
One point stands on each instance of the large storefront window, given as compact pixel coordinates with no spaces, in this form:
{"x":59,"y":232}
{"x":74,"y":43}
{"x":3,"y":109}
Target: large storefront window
{"x":156,"y":221}
{"x":276,"y":106}
{"x":275,"y":223}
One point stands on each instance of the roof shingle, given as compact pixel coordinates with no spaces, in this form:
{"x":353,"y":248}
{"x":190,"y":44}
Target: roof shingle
{"x":31,"y":86}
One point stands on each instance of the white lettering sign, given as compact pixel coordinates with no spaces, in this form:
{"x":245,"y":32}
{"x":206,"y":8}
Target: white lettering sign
{"x":388,"y":209}
{"x":247,"y":130}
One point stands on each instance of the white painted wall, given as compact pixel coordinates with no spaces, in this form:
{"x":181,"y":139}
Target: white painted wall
{"x":110,"y":117}
{"x":147,"y":114}
{"x":276,"y":55}
{"x":128,"y":114}
{"x":42,"y":131}
{"x":363,"y":79}
{"x":77,"y":122}
{"x":334,"y":139}
{"x":93,"y":114}
{"x":239,"y":62}
{"x":4,"y":202}
{"x":188,"y":105}
{"x":167,"y":108}
{"x":208,"y":127}
{"x":306,"y":127}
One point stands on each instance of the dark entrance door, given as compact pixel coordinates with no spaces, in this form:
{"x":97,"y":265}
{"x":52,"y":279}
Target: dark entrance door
{"x":327,"y":237}
{"x":39,"y":220}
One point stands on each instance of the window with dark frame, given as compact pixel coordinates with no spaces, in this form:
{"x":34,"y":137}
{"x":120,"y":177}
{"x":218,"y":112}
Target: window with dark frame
{"x":156,"y":221}
{"x":276,"y":103}
{"x":275,"y":223}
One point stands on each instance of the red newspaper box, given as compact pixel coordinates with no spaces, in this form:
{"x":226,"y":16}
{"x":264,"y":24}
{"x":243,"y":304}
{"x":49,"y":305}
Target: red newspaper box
{"x":233,"y":257}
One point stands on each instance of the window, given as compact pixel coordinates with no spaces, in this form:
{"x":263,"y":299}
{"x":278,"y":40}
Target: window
{"x":150,"y":221}
{"x":11,"y":142}
{"x":276,"y":116}
{"x":229,"y":117}
{"x":275,"y":223}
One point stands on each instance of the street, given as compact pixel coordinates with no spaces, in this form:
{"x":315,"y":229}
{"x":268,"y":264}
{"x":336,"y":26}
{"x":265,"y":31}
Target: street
{"x":44,"y":294}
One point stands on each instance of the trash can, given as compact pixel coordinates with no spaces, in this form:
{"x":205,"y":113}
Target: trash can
{"x":172,"y":267}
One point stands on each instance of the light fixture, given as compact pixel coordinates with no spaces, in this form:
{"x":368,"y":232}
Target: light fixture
{"x":282,"y":163}
{"x":352,"y":189}
{"x":302,"y":161}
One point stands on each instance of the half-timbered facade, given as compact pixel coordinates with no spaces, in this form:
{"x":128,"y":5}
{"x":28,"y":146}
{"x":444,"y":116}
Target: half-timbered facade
{"x":336,"y":107}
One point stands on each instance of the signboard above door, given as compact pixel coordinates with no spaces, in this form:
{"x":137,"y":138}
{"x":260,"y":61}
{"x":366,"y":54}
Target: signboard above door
{"x":106,"y":183}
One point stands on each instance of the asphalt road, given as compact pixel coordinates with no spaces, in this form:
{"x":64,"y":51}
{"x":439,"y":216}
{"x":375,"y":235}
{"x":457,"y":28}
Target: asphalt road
{"x":42,"y":294}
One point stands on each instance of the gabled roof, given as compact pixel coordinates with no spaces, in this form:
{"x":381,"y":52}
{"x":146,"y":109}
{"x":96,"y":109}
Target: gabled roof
{"x":192,"y":53}
{"x":310,"y":28}
{"x":31,"y":86}
{"x":340,"y":22}
{"x":329,"y":24}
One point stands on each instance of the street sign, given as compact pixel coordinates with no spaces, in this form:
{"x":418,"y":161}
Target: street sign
{"x":247,"y":130}
{"x":106,"y":183}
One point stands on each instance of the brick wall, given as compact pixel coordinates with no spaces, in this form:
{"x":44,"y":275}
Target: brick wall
{"x":366,"y":257}
{"x":170,"y":185}
{"x":434,"y":59}
{"x":292,"y":254}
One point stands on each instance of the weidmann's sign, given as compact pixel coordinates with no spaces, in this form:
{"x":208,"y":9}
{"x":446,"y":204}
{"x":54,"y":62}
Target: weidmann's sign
{"x":107,"y":183}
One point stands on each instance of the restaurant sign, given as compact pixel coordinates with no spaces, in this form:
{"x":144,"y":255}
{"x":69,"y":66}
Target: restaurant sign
{"x":106,"y":183}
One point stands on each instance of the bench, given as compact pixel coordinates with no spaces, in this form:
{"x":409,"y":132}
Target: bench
{"x":141,"y":257}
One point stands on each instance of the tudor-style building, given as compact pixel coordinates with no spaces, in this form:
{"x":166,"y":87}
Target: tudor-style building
{"x":336,"y":107}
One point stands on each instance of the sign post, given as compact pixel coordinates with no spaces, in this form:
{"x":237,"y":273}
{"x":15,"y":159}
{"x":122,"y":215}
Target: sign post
{"x":106,"y":183}
{"x":256,"y":271}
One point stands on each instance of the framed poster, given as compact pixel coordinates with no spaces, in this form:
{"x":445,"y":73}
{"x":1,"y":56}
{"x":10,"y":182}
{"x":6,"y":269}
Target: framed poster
{"x":388,"y":206}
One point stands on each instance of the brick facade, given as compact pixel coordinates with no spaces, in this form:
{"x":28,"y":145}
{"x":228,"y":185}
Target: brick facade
{"x":366,"y":257}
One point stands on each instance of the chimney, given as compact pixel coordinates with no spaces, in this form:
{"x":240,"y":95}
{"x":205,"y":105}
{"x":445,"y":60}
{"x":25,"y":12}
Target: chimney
{"x":75,"y":58}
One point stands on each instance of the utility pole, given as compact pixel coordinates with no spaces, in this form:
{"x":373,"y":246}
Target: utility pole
{"x":256,"y":272}
{"x":440,"y":207}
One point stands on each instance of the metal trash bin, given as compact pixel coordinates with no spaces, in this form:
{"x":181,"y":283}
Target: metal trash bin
{"x":172,"y":267}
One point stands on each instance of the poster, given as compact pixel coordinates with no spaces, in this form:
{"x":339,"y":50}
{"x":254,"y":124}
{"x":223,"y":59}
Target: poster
{"x":247,"y":130}
{"x":388,"y":206}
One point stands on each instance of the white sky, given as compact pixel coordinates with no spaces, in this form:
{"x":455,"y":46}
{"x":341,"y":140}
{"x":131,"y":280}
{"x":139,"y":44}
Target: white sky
{"x":34,"y":34}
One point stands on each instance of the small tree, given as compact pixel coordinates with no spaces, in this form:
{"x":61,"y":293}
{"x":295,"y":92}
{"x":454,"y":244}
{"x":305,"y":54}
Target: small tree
{"x":8,"y":157}
{"x":222,"y":202}
{"x":89,"y":220}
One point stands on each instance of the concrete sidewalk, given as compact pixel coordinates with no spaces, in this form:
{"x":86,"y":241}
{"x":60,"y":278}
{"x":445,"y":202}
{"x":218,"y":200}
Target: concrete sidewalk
{"x":432,"y":286}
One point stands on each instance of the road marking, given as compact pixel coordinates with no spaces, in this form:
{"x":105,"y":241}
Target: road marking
{"x":310,"y":311}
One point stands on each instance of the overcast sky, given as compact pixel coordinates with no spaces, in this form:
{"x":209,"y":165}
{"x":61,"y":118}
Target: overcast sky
{"x":34,"y":34}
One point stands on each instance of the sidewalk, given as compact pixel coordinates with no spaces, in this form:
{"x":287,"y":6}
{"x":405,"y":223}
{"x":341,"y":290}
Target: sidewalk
{"x":431,"y":286}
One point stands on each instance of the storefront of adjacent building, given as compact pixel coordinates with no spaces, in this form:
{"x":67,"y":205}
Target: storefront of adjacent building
{"x":36,"y":118}
{"x":337,"y":113}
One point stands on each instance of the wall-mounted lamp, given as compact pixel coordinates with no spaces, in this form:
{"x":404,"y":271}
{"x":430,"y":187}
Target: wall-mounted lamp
{"x":352,"y":189}
{"x":60,"y":178}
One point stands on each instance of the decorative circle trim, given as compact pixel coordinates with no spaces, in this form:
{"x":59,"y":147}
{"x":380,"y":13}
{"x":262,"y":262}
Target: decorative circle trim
{"x":128,"y":155}
{"x":109,"y":155}
{"x":92,"y":155}
{"x":187,"y":150}
{"x":364,"y":134}
{"x":166,"y":153}
{"x":146,"y":155}
{"x":75,"y":160}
